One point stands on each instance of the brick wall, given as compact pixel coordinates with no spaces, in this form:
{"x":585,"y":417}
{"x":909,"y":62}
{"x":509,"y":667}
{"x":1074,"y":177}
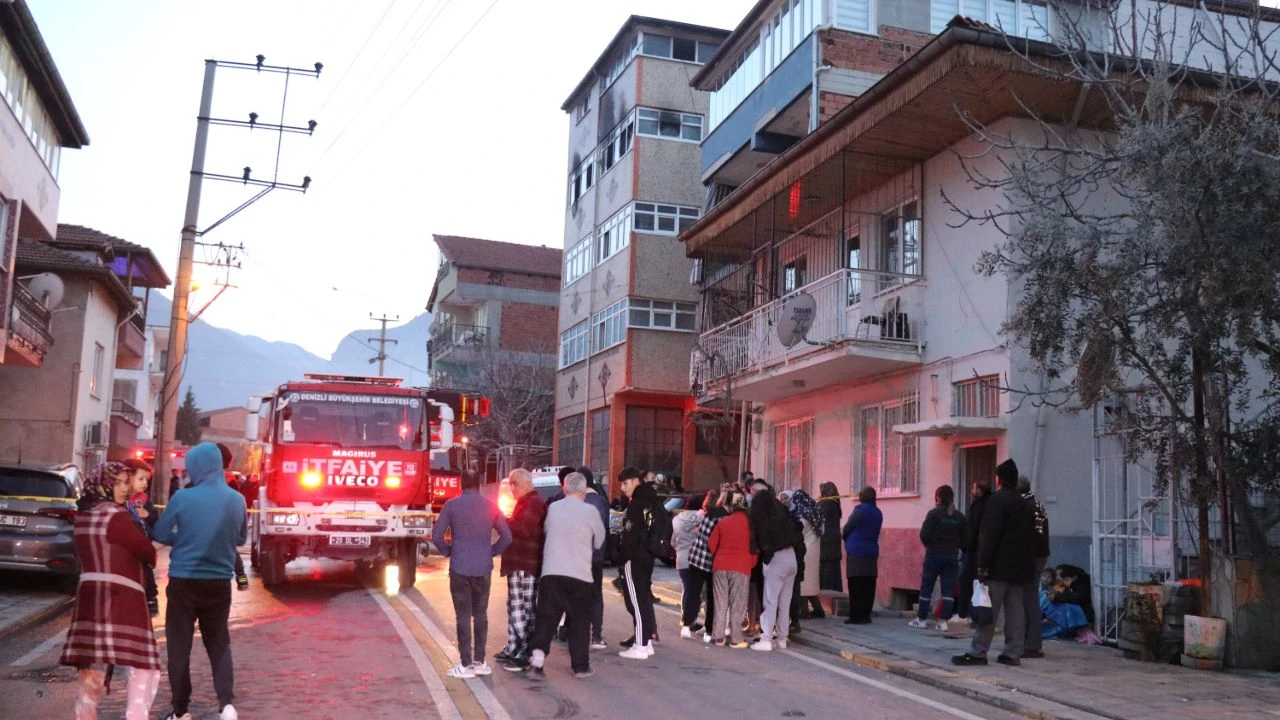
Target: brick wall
{"x":519,"y":281}
{"x":868,"y":53}
{"x":529,"y":328}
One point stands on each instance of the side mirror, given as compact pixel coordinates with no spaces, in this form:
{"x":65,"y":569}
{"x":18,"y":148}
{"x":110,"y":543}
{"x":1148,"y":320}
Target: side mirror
{"x":254,"y":405}
{"x":251,"y":427}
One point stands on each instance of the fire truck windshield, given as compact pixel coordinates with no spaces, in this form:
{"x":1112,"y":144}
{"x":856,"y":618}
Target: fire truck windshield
{"x":351,"y":420}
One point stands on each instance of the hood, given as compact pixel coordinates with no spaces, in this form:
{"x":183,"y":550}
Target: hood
{"x":204,"y":464}
{"x":645,"y":491}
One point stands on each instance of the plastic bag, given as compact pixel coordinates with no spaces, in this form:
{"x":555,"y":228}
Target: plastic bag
{"x":980,"y":611}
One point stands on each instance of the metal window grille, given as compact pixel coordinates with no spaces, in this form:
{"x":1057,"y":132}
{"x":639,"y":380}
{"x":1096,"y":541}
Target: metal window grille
{"x":886,"y":460}
{"x":978,"y":397}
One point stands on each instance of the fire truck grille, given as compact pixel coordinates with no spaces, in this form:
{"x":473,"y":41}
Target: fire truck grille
{"x":336,"y":527}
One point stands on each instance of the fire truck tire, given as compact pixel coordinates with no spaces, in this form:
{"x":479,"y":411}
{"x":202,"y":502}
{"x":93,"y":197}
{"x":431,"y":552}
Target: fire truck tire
{"x":407,"y":560}
{"x":272,"y":562}
{"x":254,"y":557}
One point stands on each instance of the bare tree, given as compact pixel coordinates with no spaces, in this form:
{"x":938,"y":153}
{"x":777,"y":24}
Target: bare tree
{"x":1144,"y":251}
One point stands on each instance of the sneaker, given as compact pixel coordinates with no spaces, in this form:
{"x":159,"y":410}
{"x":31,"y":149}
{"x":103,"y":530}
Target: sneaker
{"x":636,"y":652}
{"x":242,"y":583}
{"x":599,"y":644}
{"x":967,"y":659}
{"x":780,"y":643}
{"x":176,"y":716}
{"x":695,"y":627}
{"x":954,"y":619}
{"x":706,"y":637}
{"x":461,"y":672}
{"x":943,"y":626}
{"x":503,"y":656}
{"x":762,"y":645}
{"x":1006,"y":660}
{"x":481,"y":669}
{"x":738,"y":645}
{"x":1033,"y":654}
{"x":584,"y":674}
{"x":686,"y":632}
{"x":628,"y":642}
{"x":536,"y":673}
{"x":918,"y":623}
{"x":228,"y":713}
{"x":516,"y":665}
{"x":154,"y":607}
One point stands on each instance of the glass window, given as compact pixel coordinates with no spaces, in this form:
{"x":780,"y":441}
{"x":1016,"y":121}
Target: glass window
{"x":99,"y":360}
{"x":655,"y":439}
{"x":900,"y":251}
{"x":352,"y":420}
{"x":886,"y":460}
{"x":706,"y":50}
{"x":854,"y":15}
{"x":659,"y":45}
{"x":664,"y":219}
{"x":682,"y":49}
{"x":794,"y":275}
{"x":600,"y":422}
{"x":577,"y":261}
{"x":617,"y":144}
{"x":614,"y":234}
{"x":609,"y":326}
{"x":662,"y":314}
{"x":573,"y":345}
{"x":668,"y":124}
{"x":570,"y":443}
{"x":581,"y":179}
{"x":793,"y":455}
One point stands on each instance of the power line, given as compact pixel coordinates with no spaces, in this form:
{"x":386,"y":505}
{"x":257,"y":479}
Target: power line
{"x":356,"y":57}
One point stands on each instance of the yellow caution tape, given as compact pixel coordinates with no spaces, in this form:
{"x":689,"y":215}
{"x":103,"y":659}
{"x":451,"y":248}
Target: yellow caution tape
{"x":284,"y":511}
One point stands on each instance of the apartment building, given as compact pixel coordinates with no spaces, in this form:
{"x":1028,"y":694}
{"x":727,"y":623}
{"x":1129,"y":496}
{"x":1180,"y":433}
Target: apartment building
{"x":898,"y":384}
{"x":37,"y":120}
{"x":626,"y":306}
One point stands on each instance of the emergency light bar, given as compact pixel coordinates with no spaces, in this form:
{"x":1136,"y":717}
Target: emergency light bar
{"x":323,"y":377}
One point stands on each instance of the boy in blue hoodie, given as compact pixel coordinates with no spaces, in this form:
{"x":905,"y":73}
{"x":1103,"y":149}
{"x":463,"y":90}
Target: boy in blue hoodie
{"x":203,"y":524}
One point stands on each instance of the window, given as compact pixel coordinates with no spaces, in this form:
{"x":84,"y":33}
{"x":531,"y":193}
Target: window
{"x":655,"y":439}
{"x":662,"y":314}
{"x":793,"y":455}
{"x":855,"y":15}
{"x":853,"y":261}
{"x":600,"y":422}
{"x":888,"y":461}
{"x":99,"y":358}
{"x":570,"y":446}
{"x":977,"y":397}
{"x":659,"y":45}
{"x":664,"y":219}
{"x":667,"y":124}
{"x":724,"y":440}
{"x":778,"y":36}
{"x":794,"y":275}
{"x":900,"y":251}
{"x":614,"y":234}
{"x":609,"y":326}
{"x":581,"y":179}
{"x":581,"y":110}
{"x":573,"y":345}
{"x":620,"y":63}
{"x":17,"y":91}
{"x":684,"y":49}
{"x":1023,"y":18}
{"x":577,"y":261}
{"x":617,"y":144}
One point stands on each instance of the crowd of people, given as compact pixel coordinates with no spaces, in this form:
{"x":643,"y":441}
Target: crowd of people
{"x":115,"y":530}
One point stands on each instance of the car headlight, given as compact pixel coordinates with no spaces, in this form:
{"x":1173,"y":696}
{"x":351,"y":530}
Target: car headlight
{"x":283,"y":519}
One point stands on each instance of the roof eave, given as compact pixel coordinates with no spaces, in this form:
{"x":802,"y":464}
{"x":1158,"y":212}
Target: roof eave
{"x":727,"y":49}
{"x":38,"y":63}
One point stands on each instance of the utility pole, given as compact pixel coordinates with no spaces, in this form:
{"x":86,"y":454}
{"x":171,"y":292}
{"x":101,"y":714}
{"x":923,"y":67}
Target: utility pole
{"x":382,"y":341}
{"x":180,"y":319}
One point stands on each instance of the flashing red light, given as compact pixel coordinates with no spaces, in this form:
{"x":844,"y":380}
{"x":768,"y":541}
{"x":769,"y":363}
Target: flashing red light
{"x":311,"y":480}
{"x":137,"y":454}
{"x":484,"y":407}
{"x":793,"y":202}
{"x":392,"y":482}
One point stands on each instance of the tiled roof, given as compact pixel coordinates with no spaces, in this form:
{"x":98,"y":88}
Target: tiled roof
{"x":502,"y":256}
{"x":145,"y":268}
{"x":36,"y":255}
{"x":88,"y":238}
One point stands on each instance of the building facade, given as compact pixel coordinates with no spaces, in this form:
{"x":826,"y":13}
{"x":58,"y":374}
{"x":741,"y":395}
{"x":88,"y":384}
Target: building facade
{"x":37,"y":120}
{"x":626,"y":307}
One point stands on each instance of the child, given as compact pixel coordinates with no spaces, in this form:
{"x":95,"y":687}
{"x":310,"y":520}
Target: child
{"x":144,"y":516}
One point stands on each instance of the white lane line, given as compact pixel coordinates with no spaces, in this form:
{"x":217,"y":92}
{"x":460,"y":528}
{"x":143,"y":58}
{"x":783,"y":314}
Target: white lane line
{"x":444,"y":704}
{"x":492,"y":707}
{"x":38,"y":651}
{"x":883,"y":686}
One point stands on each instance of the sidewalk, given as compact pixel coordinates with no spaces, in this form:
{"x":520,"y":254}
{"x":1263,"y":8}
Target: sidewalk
{"x":1072,"y":682}
{"x":21,"y":607}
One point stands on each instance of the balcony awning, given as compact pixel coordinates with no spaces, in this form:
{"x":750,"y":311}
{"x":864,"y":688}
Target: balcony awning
{"x":960,"y":427}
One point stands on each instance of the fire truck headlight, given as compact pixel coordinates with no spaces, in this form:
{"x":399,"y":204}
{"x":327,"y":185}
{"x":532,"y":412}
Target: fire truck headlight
{"x":415,"y":521}
{"x":392,"y":482}
{"x":311,"y":480}
{"x":282,"y":518}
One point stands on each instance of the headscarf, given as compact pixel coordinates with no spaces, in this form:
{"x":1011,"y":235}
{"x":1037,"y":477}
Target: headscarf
{"x":804,"y":508}
{"x":100,"y":486}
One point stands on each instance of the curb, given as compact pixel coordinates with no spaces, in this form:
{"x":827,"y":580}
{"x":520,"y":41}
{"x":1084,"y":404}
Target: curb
{"x":37,"y":617}
{"x":995,"y":694}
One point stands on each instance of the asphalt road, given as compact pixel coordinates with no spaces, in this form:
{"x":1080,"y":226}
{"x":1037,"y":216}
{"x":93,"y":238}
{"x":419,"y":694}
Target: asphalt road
{"x":329,"y":646}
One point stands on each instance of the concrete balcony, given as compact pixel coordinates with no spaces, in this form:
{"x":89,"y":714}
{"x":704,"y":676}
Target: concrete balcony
{"x":131,"y":344}
{"x":125,"y":421}
{"x":30,"y":336}
{"x":867,"y":323}
{"x":462,"y":342}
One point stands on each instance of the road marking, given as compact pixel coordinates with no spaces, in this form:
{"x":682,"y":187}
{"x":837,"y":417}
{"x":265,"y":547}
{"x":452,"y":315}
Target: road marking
{"x":439,"y":695}
{"x":39,"y":650}
{"x":492,"y":707}
{"x":906,"y":694}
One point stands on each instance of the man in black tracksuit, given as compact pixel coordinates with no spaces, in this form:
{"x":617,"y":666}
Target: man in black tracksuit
{"x":969,"y":568}
{"x":637,"y":566}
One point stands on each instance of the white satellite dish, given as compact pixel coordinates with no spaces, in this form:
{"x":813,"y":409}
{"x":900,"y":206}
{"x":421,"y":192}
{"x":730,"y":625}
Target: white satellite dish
{"x":48,"y":289}
{"x":795,"y":318}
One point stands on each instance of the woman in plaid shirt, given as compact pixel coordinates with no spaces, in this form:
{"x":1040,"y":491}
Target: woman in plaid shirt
{"x":699,"y":583}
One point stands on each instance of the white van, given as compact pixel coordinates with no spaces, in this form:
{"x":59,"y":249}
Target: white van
{"x":546,"y":481}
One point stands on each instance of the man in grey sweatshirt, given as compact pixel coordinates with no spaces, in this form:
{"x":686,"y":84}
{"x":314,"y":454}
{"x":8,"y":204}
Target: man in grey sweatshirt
{"x":573,"y":532}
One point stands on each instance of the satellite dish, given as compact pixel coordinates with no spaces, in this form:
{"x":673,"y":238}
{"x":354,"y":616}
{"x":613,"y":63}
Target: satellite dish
{"x":795,"y":318}
{"x":48,"y":289}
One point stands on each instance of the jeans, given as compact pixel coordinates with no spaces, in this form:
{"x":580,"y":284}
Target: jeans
{"x":209,"y":603}
{"x":639,"y":598}
{"x":471,"y":607}
{"x":862,"y":596}
{"x":943,"y":566}
{"x":1008,"y":596}
{"x":699,"y":587}
{"x":731,"y":596}
{"x":559,"y":595}
{"x":779,"y":582}
{"x":1031,"y":611}
{"x":597,"y":601}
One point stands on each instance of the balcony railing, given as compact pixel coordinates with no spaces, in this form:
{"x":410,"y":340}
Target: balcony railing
{"x":126,"y":411}
{"x":31,"y":322}
{"x":859,"y":307}
{"x":451,"y":336}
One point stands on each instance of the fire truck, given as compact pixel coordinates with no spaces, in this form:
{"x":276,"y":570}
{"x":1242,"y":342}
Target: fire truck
{"x":350,"y":467}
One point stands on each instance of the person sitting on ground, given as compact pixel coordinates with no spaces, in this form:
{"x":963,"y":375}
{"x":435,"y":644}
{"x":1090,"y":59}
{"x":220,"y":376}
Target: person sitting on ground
{"x":1068,"y":608}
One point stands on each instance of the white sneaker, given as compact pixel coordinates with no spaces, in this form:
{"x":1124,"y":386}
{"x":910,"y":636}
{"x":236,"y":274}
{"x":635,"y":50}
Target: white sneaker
{"x":780,"y":643}
{"x":537,"y":658}
{"x":942,"y":626}
{"x":918,"y":623}
{"x":461,"y":672}
{"x":175,"y":716}
{"x":955,"y":619}
{"x":599,"y":645}
{"x":686,"y":632}
{"x":706,"y":637}
{"x":762,"y":645}
{"x":229,"y":713}
{"x":637,"y":652}
{"x":481,"y":668}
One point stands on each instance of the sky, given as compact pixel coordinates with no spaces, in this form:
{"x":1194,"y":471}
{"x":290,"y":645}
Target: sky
{"x":434,"y":116}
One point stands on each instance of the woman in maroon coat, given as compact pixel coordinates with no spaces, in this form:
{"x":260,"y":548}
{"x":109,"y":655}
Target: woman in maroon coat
{"x":111,"y":625}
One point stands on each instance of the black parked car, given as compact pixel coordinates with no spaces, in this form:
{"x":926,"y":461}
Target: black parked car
{"x":37,"y":535}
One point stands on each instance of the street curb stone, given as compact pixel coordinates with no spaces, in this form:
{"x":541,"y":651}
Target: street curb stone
{"x":996,"y":694}
{"x":37,"y":617}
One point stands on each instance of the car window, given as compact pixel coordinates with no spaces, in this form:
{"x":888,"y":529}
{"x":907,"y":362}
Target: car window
{"x":548,"y":491}
{"x":673,"y":504}
{"x":16,"y":482}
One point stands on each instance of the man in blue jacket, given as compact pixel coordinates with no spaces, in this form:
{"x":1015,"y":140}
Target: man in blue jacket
{"x":203,"y":524}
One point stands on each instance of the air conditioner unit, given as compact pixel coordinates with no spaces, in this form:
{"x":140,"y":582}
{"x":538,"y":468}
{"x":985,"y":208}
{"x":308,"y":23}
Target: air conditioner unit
{"x":95,"y":434}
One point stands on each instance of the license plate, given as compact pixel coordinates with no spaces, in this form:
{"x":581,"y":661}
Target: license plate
{"x":13,"y":520}
{"x":350,"y":540}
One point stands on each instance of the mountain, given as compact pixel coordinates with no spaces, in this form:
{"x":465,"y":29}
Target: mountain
{"x":224,"y":367}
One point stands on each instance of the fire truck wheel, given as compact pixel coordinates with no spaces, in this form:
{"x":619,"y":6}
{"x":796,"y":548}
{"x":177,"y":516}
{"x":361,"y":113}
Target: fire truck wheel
{"x":254,"y":559}
{"x":272,"y":562}
{"x":407,"y":560}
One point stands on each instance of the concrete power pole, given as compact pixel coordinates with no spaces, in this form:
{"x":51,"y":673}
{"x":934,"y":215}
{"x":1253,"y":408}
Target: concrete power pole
{"x":382,"y":341}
